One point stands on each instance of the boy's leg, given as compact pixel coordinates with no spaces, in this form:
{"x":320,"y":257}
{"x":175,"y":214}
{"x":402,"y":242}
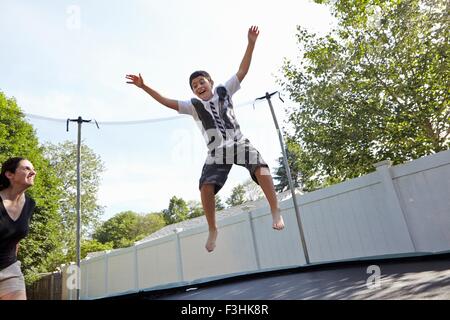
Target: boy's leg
{"x":266,"y":183}
{"x":211,"y":181}
{"x":260,"y":173}
{"x":209,"y":207}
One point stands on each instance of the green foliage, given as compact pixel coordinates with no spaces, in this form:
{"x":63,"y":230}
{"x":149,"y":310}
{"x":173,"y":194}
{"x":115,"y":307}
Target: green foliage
{"x":195,"y":209}
{"x":247,"y":191}
{"x":252,"y":190}
{"x":63,"y":159}
{"x":237,"y":196}
{"x":148,"y":224}
{"x":41,"y":251}
{"x":294,"y":155}
{"x":219,"y":204}
{"x":127,"y":227}
{"x":88,"y":246}
{"x":178,"y":211}
{"x":375,"y":88}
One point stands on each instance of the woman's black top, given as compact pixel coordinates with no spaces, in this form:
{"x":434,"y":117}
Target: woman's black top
{"x":11,"y":232}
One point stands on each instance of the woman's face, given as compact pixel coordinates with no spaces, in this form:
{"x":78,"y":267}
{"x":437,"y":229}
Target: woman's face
{"x":24,"y":174}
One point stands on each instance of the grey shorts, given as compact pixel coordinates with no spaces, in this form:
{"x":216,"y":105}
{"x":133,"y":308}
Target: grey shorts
{"x":11,"y":279}
{"x":220,"y":161}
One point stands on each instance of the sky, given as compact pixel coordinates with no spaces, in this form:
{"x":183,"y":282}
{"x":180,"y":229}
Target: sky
{"x":64,"y":59}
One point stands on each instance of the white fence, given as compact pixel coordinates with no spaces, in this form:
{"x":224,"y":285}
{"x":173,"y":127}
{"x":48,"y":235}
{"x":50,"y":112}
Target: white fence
{"x":393,"y":211}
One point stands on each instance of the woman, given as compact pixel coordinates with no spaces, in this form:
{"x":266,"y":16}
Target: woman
{"x":16,"y":208}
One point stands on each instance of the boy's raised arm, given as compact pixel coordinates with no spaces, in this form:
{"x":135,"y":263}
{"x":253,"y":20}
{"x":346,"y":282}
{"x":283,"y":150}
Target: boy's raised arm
{"x":138,"y":81}
{"x":253,"y":33}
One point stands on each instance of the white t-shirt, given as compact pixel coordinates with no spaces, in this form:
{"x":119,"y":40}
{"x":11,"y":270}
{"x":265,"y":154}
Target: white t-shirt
{"x":215,"y":117}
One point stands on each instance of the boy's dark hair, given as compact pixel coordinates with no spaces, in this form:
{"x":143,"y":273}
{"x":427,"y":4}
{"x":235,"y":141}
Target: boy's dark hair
{"x":199,"y":73}
{"x":9,"y":165}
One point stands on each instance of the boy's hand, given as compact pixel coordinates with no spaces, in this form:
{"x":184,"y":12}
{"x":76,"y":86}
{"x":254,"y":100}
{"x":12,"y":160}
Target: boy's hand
{"x":137,"y":81}
{"x":253,"y":33}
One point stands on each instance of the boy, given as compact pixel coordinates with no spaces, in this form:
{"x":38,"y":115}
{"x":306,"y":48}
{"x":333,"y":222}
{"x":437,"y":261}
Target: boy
{"x":226,"y":145}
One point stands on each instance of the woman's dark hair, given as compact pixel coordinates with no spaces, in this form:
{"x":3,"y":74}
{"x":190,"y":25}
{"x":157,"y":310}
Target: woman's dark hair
{"x":199,"y":73}
{"x":9,"y":165}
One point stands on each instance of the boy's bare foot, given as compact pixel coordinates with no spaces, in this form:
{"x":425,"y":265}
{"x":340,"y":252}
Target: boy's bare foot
{"x":211,"y":242}
{"x":278,"y":222}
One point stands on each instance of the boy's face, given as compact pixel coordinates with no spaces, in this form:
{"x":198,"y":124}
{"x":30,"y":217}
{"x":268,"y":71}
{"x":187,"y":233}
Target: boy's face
{"x":202,"y":87}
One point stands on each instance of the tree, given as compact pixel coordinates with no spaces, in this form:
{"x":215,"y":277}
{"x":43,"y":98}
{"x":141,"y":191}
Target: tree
{"x":237,"y":196}
{"x":302,"y":169}
{"x":119,"y":230}
{"x":41,"y":251}
{"x":375,"y":88}
{"x":127,"y":227}
{"x":149,"y":223}
{"x":177,"y":211}
{"x":63,"y":157}
{"x":252,"y":190}
{"x":88,"y":246}
{"x":195,"y":209}
{"x":219,"y":204}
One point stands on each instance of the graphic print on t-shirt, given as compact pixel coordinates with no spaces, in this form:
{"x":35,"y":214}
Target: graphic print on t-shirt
{"x":215,"y":117}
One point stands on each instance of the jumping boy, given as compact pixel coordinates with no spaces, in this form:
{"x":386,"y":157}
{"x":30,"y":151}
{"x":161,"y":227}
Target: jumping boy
{"x":214,"y":114}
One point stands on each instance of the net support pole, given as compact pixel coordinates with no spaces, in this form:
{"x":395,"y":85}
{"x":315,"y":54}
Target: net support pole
{"x":289,"y":177}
